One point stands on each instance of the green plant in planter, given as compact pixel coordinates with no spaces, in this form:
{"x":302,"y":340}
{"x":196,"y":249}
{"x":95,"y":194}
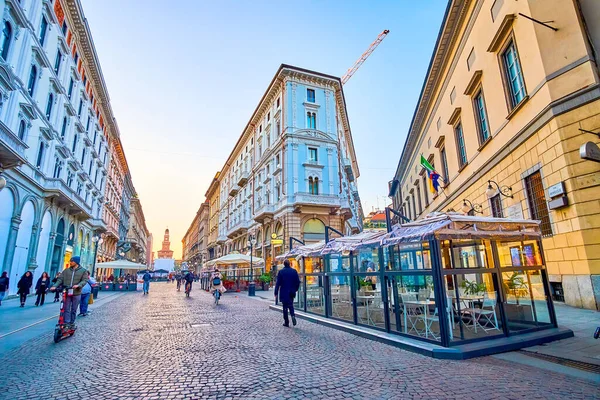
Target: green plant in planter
{"x":363,"y":283}
{"x":472,"y":287}
{"x":515,"y":285}
{"x":264,"y":278}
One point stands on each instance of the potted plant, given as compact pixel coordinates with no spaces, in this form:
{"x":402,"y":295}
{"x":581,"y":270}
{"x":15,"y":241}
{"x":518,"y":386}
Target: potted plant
{"x":265,"y":280}
{"x":472,"y":287}
{"x":516,"y":286}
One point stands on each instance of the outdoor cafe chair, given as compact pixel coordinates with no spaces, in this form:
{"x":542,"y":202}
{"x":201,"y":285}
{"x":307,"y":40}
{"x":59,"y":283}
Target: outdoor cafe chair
{"x":487,"y":312}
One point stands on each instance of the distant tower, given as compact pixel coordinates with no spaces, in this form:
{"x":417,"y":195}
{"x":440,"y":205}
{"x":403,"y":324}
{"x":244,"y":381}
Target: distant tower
{"x":166,"y":251}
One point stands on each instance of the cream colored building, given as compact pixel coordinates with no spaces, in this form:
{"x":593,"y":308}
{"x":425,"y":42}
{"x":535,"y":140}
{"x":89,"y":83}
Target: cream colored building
{"x":212,"y":197}
{"x":195,"y":240}
{"x":510,"y":99}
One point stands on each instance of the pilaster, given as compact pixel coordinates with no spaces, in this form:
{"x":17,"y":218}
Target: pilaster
{"x":33,"y":246}
{"x":9,"y":256}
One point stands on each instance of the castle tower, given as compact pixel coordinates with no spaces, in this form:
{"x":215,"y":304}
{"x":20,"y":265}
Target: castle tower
{"x":166,"y":251}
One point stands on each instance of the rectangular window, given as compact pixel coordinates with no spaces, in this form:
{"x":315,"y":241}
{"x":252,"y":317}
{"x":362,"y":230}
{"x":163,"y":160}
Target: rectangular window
{"x":460,"y":145}
{"x":76,"y":58}
{"x":311,"y":120}
{"x":71,"y":83}
{"x":312,"y":154}
{"x":57,"y":62}
{"x":481,"y":117}
{"x":278,"y":128}
{"x":538,"y":208}
{"x":513,"y":74}
{"x":425,"y":184}
{"x":496,"y":206}
{"x":43,"y":30}
{"x":40,"y":156}
{"x":310,"y":95}
{"x":64,"y":27}
{"x":444,"y":164}
{"x":413,"y":206}
{"x":278,"y":103}
{"x":80,"y":108}
{"x":419,"y":198}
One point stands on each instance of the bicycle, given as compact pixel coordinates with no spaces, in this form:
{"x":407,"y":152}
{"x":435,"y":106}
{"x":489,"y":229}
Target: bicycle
{"x":188,"y":289}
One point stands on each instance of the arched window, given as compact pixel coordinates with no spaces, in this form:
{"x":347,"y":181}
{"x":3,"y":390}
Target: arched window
{"x":22,"y":127}
{"x":5,"y":40}
{"x":32,"y":78}
{"x":310,"y":185}
{"x":314,"y":230}
{"x":49,"y":105}
{"x":313,"y":185}
{"x":311,"y":120}
{"x":63,"y":130}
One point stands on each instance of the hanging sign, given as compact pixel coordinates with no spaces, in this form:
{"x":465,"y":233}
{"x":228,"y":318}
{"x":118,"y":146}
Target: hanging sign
{"x":590,"y":151}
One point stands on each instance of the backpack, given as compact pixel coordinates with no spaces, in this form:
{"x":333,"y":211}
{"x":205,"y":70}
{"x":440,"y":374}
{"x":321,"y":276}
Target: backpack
{"x":216,"y":281}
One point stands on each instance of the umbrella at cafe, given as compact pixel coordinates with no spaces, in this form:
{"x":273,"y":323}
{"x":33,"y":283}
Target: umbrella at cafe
{"x":238,"y":259}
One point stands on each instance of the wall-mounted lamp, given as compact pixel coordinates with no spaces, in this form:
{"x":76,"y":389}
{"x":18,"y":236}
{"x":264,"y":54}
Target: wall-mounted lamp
{"x":467,"y":207}
{"x":505,"y":191}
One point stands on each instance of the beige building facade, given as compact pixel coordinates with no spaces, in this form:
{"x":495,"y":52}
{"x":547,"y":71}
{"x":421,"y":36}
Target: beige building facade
{"x":212,"y":197}
{"x":194,"y":251}
{"x":507,"y":103}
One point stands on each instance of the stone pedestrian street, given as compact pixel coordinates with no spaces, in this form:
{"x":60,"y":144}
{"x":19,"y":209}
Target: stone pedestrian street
{"x":167,"y":346}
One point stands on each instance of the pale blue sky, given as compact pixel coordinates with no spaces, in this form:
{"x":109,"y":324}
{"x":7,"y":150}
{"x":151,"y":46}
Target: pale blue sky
{"x":185,"y":76}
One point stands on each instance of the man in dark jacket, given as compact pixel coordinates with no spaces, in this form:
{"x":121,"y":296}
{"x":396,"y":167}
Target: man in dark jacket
{"x":146,"y":278}
{"x":287,"y":285}
{"x":75,"y":277}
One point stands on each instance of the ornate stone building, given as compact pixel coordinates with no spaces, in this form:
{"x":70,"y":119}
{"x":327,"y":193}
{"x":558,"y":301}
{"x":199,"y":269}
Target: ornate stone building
{"x":165,"y":251}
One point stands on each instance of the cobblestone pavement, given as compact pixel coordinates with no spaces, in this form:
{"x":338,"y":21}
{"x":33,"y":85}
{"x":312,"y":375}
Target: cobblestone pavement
{"x":166,"y":346}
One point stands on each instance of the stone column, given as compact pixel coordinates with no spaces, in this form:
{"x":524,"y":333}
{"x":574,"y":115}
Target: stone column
{"x":9,"y":256}
{"x":33,"y":246}
{"x":50,"y":252}
{"x":330,"y":170}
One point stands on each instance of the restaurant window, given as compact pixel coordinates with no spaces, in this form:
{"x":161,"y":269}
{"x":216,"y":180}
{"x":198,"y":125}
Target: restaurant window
{"x":481,"y":117}
{"x":460,"y":145}
{"x":513,"y":75}
{"x":5,"y":40}
{"x":310,"y":95}
{"x":538,"y":208}
{"x":496,"y":205}
{"x":444,"y":164}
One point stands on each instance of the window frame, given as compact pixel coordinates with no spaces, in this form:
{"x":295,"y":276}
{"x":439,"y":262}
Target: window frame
{"x":33,"y":75}
{"x":476,"y":110}
{"x":510,"y":40}
{"x":455,"y":128}
{"x":497,"y":198}
{"x":531,"y":207}
{"x":6,"y":45}
{"x":314,"y":95}
{"x":43,"y":30}
{"x":316,"y":153}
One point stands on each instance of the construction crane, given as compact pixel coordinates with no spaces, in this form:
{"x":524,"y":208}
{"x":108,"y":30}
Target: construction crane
{"x":364,"y":57}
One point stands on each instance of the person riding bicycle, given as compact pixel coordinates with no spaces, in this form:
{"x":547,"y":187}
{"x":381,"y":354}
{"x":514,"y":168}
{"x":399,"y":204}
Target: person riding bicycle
{"x":189,"y":278}
{"x":178,"y":278}
{"x":216,"y":282}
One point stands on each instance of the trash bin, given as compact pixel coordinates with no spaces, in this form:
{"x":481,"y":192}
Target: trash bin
{"x":95,"y":290}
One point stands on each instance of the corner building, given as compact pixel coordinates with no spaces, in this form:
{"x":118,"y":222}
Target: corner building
{"x":293,"y":170}
{"x":502,"y":115}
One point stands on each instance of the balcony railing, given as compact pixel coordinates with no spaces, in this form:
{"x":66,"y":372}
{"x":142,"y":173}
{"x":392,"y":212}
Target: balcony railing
{"x":264,"y":211}
{"x":67,"y":196}
{"x":317,"y":200}
{"x":12,"y":149}
{"x":242,"y":179}
{"x":348,"y":169}
{"x":234,"y":190}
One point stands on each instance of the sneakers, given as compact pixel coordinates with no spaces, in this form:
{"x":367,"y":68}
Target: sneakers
{"x":287,"y":325}
{"x":293,"y":320}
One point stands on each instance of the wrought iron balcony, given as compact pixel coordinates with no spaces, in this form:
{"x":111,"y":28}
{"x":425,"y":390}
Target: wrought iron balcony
{"x":67,"y":197}
{"x":317,"y":200}
{"x":263,"y":212}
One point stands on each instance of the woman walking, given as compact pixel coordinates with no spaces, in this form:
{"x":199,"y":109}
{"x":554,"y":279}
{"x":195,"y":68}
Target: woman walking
{"x":41,"y":287}
{"x":3,"y":285}
{"x":57,"y":293}
{"x":24,"y":285}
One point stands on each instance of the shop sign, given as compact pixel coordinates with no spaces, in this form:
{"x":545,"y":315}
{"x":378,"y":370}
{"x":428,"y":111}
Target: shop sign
{"x":558,"y":203}
{"x":514,"y":212}
{"x":590,"y":151}
{"x":277,"y":241}
{"x":556,"y":190}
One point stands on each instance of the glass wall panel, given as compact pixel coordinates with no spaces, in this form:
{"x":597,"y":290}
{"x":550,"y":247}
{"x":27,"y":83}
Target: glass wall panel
{"x":411,"y":256}
{"x":315,"y":294}
{"x":526,"y":304}
{"x":338,"y":263}
{"x":520,"y":254}
{"x":341,"y":300}
{"x":368,"y":260}
{"x":413,"y":303}
{"x":369,"y":304}
{"x":473,"y":308}
{"x":313,"y":265}
{"x":299,"y":300}
{"x":461,"y":254}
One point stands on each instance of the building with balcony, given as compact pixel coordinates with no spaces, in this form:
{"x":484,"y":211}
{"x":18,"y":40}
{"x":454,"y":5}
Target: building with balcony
{"x":57,"y":138}
{"x":196,"y":238}
{"x":137,"y":235}
{"x":507,"y":104}
{"x":292,"y":171}
{"x":212,"y":198}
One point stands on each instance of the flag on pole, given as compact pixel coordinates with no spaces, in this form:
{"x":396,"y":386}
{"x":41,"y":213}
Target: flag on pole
{"x":431,"y":174}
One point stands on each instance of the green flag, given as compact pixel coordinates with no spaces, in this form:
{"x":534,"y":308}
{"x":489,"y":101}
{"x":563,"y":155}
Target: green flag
{"x":425,"y":164}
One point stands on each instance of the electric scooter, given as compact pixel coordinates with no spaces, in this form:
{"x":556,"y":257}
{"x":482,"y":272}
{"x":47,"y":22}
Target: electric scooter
{"x":62,"y":330}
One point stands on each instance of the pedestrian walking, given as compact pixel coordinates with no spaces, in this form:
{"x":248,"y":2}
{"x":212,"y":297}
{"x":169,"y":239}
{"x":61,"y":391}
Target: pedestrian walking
{"x":86,"y":294}
{"x":288,"y":283}
{"x":56,"y":298}
{"x":24,"y":286}
{"x":41,"y":287}
{"x":4,"y":285}
{"x":75,"y":277}
{"x":146,"y":278}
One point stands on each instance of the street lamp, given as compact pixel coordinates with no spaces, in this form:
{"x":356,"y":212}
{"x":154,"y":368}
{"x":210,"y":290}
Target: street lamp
{"x":251,"y":285}
{"x":467,"y":207}
{"x":97,"y":241}
{"x":505,"y":191}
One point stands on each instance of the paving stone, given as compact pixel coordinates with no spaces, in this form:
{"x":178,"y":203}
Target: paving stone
{"x":144,"y":347}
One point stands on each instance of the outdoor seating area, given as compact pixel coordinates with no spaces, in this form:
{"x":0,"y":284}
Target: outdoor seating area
{"x":448,"y":279}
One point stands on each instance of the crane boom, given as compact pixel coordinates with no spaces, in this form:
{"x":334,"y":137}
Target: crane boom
{"x":364,"y":56}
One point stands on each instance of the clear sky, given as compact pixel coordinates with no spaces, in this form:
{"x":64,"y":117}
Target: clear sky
{"x":185,"y":76}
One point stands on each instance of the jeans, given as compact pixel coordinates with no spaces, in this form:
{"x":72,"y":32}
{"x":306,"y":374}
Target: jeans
{"x":40,"y":298}
{"x":83,"y":306}
{"x":146,"y":286}
{"x":2,"y":294}
{"x":288,"y":305}
{"x":71,"y":305}
{"x":23,"y":297}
